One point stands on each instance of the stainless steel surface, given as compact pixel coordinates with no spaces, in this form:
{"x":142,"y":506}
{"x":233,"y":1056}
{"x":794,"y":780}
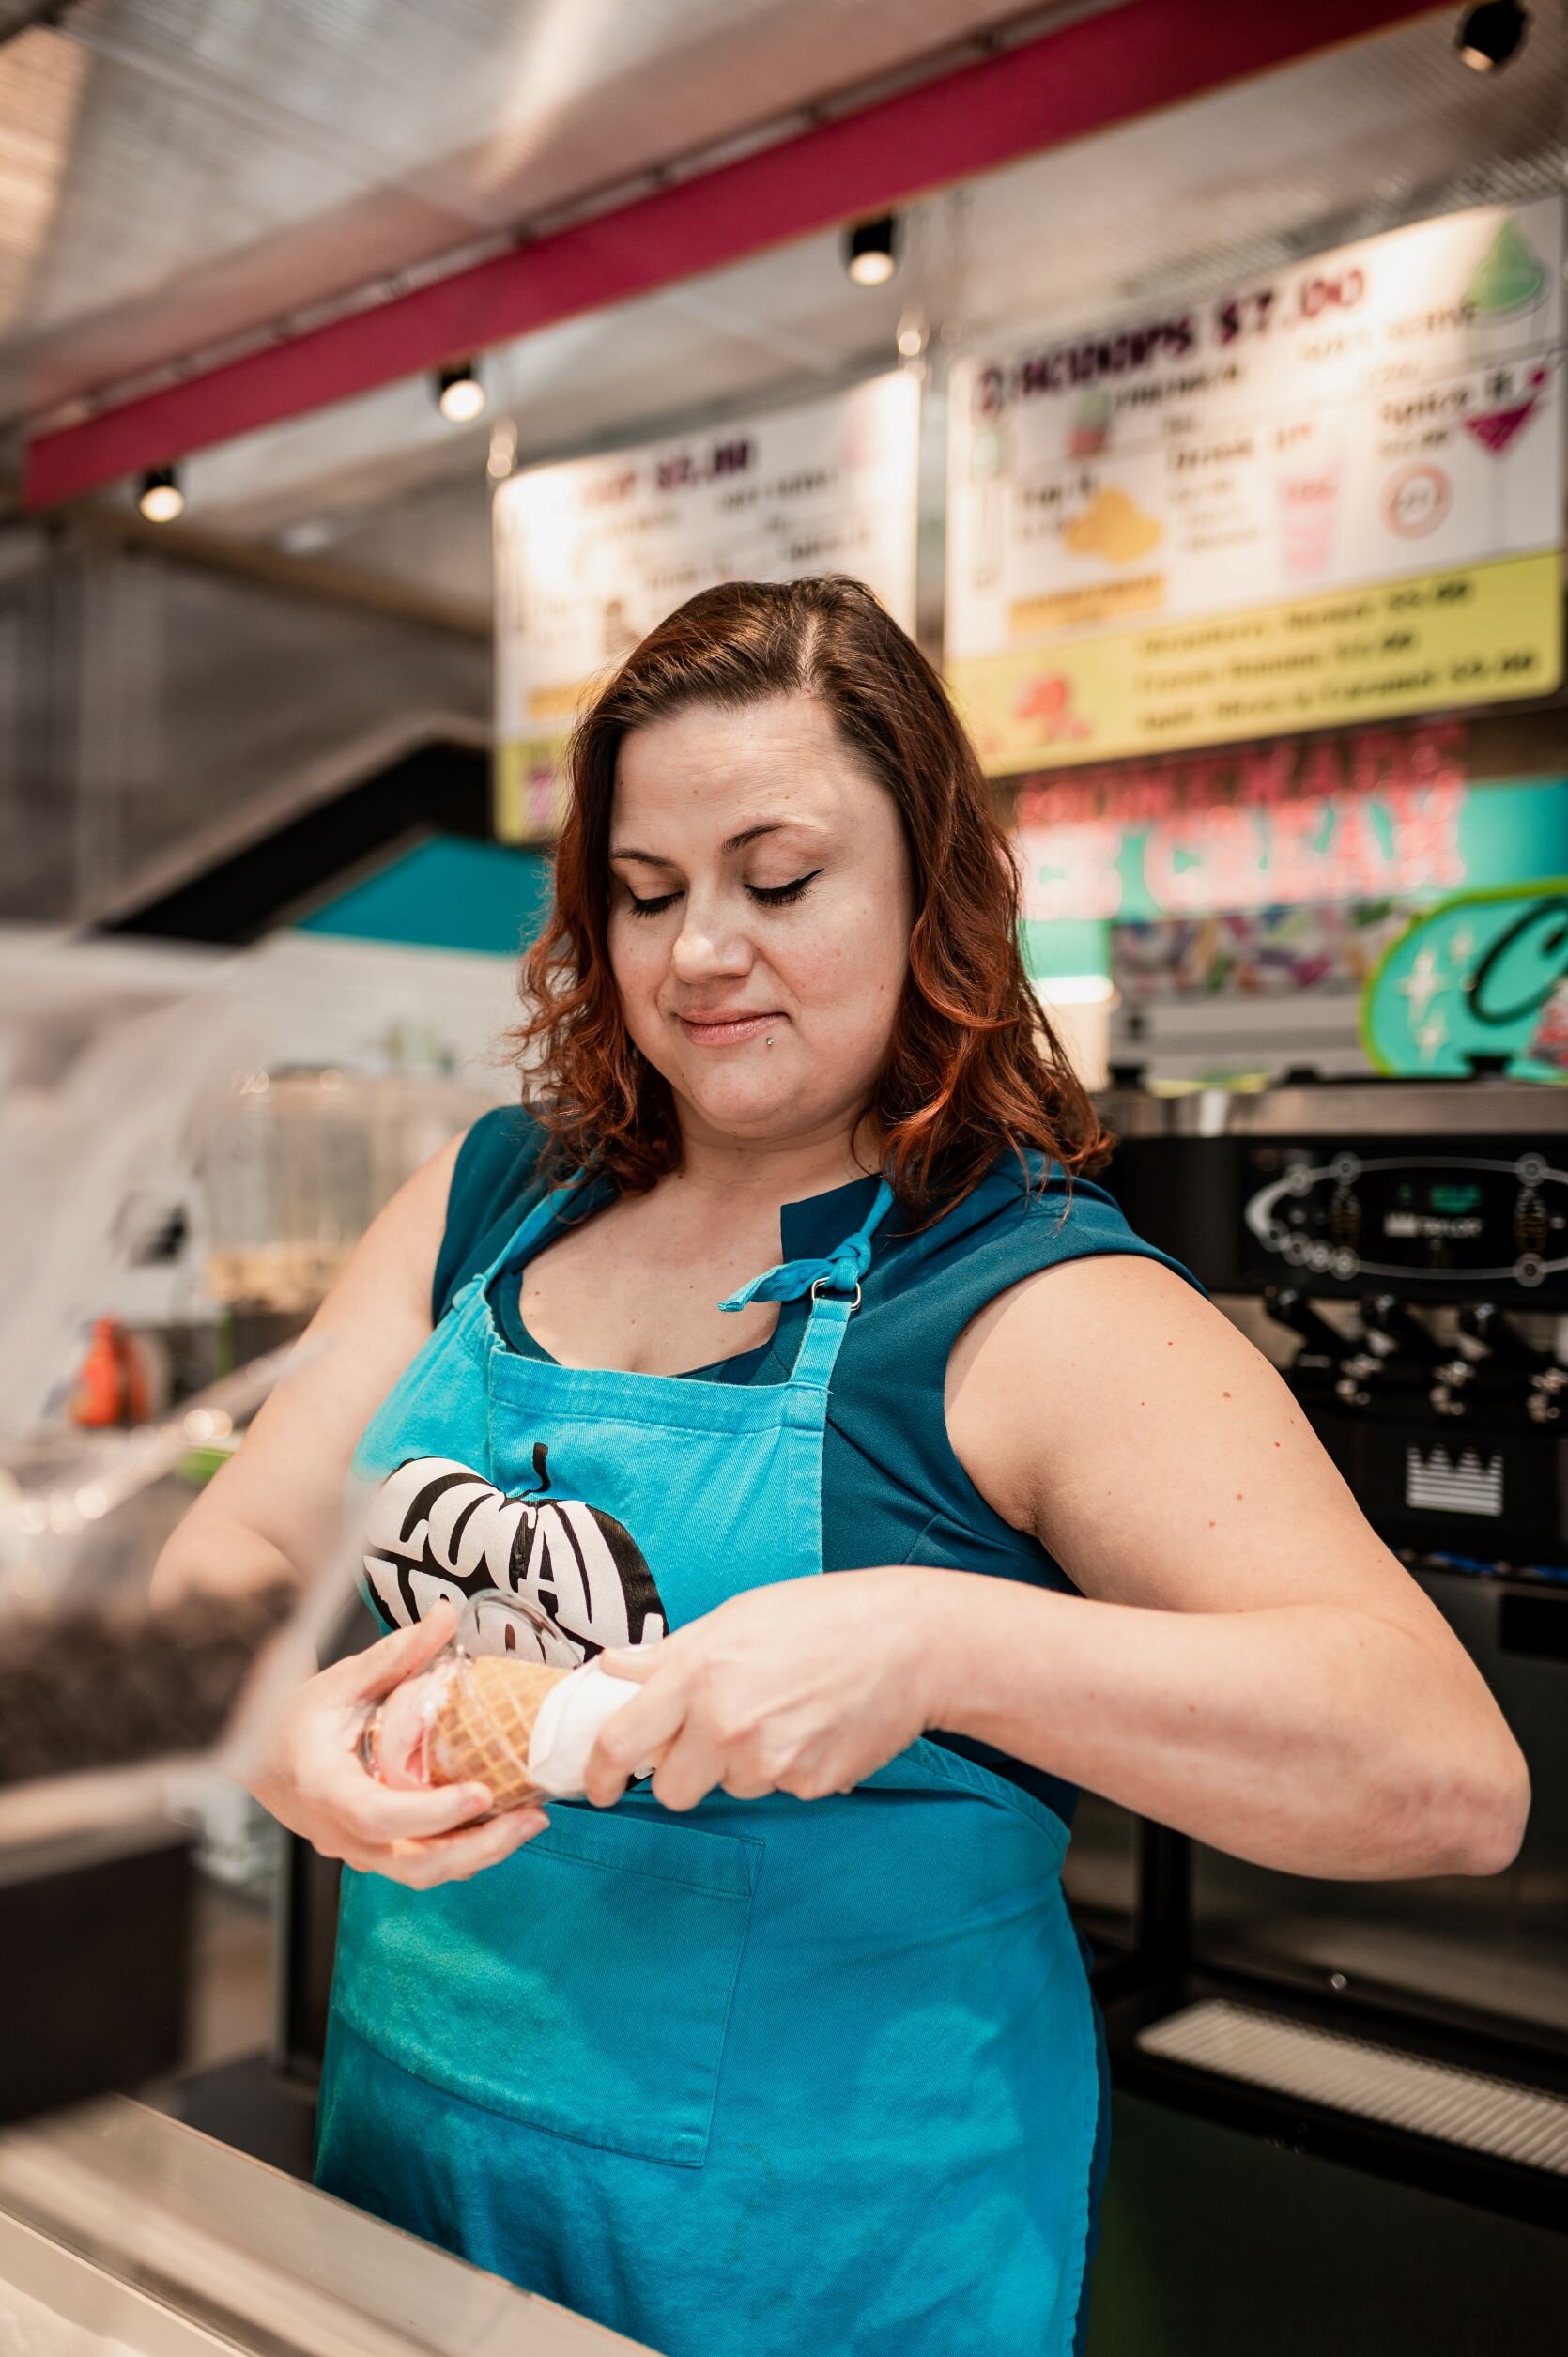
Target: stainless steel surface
{"x":63,"y":1489}
{"x":1349,"y":1109}
{"x":138,"y":2238}
{"x":1353,"y":2075}
{"x":54,"y":2303}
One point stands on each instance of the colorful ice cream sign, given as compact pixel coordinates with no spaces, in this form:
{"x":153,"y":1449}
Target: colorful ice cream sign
{"x":1091,"y":423}
{"x":1308,"y":493}
{"x":1115,"y":526}
{"x":1509,"y":282}
{"x":1510,"y":277}
{"x":1377,"y":815}
{"x":1483,"y":974}
{"x":1513,"y":396}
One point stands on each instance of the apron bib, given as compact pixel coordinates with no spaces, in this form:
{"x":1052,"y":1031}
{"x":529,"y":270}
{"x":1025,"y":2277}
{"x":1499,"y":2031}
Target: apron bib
{"x":763,"y":2078}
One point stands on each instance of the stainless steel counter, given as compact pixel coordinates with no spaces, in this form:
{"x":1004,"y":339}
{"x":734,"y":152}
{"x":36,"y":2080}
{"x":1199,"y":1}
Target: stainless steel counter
{"x":126,"y":2234}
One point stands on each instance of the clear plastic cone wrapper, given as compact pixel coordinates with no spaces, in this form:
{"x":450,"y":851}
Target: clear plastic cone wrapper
{"x":489,"y":1711}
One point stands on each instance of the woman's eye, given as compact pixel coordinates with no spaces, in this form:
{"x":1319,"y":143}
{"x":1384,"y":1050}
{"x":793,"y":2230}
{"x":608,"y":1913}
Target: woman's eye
{"x":766,"y":895}
{"x":779,"y":895}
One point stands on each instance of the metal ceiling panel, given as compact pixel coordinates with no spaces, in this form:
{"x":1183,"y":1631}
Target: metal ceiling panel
{"x":1334,"y":148}
{"x":184,"y":171}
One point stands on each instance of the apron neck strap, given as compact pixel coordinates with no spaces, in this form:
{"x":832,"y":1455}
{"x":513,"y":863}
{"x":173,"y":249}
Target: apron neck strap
{"x":560,"y":1208}
{"x":838,"y":1274}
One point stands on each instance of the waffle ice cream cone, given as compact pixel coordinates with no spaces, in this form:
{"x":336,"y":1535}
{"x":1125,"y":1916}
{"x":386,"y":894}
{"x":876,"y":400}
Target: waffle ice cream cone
{"x":483,"y":1725}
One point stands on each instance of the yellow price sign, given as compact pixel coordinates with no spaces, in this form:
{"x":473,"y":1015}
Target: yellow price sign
{"x":1479,"y":634}
{"x":528,"y":790}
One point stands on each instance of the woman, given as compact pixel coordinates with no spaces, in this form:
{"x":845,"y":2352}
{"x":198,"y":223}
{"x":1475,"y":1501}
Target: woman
{"x":793,"y":2048}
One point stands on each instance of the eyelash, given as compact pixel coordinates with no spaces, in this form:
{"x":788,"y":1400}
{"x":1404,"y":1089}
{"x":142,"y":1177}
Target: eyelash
{"x":766,"y":895}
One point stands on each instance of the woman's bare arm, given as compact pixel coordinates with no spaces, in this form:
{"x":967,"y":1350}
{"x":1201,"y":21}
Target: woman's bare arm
{"x":1248,"y":1662}
{"x":276,"y":1508}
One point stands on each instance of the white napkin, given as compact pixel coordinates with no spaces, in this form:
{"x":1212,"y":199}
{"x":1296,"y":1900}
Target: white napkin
{"x":567,"y":1727}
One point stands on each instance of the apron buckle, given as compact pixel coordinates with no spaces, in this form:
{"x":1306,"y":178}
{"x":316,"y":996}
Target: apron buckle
{"x":824,"y":1284}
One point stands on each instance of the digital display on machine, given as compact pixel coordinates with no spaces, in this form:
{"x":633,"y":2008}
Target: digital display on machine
{"x":1448,"y":1196}
{"x":1439,"y":1208}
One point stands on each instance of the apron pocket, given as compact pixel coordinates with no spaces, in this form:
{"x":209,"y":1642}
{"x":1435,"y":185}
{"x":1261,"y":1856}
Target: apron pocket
{"x":581,"y":1987}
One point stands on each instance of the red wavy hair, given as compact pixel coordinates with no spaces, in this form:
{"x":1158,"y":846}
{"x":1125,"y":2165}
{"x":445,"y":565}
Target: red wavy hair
{"x":973,"y":1065}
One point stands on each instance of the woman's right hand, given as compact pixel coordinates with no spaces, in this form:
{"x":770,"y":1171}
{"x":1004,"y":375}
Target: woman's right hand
{"x":310,"y":1776}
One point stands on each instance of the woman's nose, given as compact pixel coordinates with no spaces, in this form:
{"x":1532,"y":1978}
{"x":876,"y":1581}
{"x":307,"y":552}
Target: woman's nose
{"x":706,"y":946}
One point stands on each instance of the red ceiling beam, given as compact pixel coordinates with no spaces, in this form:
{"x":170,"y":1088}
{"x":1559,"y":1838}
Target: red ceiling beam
{"x":1086,"y":77}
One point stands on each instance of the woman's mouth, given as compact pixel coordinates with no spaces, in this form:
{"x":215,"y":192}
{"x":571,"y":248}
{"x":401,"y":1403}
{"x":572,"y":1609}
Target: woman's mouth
{"x":723,"y":1031}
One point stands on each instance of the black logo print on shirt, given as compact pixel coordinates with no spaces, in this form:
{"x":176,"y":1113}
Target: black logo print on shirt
{"x":437,"y":1531}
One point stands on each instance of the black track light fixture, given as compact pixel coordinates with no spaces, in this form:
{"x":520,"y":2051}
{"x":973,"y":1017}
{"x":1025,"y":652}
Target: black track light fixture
{"x":1490,"y":35}
{"x":871,"y":249}
{"x":159,"y":494}
{"x":459,"y":394}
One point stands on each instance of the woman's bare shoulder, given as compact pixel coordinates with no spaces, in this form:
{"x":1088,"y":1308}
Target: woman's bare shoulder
{"x":1076,"y":1364}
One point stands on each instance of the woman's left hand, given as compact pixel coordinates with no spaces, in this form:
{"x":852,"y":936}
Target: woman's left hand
{"x":803,"y":1687}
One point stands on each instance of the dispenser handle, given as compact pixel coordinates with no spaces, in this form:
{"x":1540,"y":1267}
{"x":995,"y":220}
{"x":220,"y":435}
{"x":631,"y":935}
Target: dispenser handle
{"x":1288,"y":1306}
{"x":1484,"y":1322}
{"x":1386,"y":1315}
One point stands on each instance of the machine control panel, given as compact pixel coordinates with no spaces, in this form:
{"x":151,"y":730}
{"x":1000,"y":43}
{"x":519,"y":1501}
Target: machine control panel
{"x":1407,"y":1212}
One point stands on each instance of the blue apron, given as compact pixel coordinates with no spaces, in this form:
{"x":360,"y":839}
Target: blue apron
{"x":763,"y":2078}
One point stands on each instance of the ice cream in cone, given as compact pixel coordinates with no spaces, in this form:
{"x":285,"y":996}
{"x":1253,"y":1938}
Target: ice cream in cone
{"x":483,"y":1724}
{"x":524,"y":1729}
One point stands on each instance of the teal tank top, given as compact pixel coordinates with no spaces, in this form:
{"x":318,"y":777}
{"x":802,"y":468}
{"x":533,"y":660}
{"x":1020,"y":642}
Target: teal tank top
{"x":893,"y":1488}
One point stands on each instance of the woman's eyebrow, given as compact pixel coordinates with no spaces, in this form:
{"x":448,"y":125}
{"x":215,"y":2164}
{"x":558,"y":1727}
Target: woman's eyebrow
{"x":731,"y":842}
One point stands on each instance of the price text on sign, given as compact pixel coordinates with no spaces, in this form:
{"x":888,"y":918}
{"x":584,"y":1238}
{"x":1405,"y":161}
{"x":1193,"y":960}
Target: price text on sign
{"x":1329,"y":497}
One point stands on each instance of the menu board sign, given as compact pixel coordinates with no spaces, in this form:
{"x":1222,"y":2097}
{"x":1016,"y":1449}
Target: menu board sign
{"x":590,"y":554}
{"x":1330,"y":494}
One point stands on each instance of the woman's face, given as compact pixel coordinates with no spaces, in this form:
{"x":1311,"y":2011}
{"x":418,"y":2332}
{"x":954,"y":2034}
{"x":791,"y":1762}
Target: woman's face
{"x":759,"y":916}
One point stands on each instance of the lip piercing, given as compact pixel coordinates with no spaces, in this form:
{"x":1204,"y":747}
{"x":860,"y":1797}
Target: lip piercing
{"x":768,"y":1041}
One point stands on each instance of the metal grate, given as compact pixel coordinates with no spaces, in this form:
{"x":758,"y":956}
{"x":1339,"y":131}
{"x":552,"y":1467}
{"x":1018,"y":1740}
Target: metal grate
{"x":1352,"y":2075}
{"x":1444,"y":1486}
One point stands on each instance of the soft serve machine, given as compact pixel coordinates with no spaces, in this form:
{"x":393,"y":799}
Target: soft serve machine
{"x":1358,"y":2092}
